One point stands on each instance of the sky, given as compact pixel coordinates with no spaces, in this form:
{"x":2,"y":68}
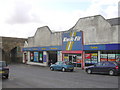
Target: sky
{"x":21,"y":18}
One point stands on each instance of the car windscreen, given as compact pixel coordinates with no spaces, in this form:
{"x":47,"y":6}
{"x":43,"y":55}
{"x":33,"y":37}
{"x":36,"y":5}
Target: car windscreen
{"x":116,"y":63}
{"x":2,"y":64}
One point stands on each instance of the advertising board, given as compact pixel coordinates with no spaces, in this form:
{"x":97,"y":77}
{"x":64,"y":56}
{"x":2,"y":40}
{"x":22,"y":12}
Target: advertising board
{"x":35,"y":56}
{"x":94,"y":57}
{"x":72,"y":41}
{"x":87,"y":58}
{"x":111,"y":57}
{"x":103,"y":57}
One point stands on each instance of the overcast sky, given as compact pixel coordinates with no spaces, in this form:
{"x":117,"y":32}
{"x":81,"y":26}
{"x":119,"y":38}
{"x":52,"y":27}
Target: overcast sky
{"x":21,"y":18}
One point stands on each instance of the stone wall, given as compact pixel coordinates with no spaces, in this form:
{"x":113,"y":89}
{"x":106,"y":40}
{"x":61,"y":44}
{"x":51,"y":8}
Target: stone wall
{"x":8,"y":44}
{"x":96,"y":30}
{"x":45,"y":37}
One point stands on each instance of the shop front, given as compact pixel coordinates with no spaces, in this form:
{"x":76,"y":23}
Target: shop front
{"x":101,"y":52}
{"x":41,"y":55}
{"x":72,"y":47}
{"x":73,"y":56}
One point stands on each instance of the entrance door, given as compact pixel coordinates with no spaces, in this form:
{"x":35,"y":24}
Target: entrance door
{"x":52,"y":56}
{"x":25,"y":58}
{"x":72,"y":58}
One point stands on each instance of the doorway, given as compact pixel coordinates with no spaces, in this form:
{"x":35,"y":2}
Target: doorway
{"x":13,"y":54}
{"x":74,"y":58}
{"x":52,"y":57}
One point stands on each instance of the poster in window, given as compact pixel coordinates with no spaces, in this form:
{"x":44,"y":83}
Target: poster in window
{"x":118,"y":57}
{"x":79,"y":59}
{"x":35,"y":56}
{"x":66,"y":58}
{"x":87,"y":58}
{"x":111,"y":57}
{"x":94,"y":57}
{"x":74,"y":58}
{"x":103,"y":57}
{"x":40,"y":57}
{"x":31,"y":56}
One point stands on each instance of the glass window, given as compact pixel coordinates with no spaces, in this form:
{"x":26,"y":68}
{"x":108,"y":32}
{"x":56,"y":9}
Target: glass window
{"x":35,"y":56}
{"x":99,"y":64}
{"x":31,"y":56}
{"x":40,"y":57}
{"x":60,"y":63}
{"x":105,"y":64}
{"x":57,"y":63}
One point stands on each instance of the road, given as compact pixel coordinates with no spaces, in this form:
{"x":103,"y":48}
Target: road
{"x":28,"y":76}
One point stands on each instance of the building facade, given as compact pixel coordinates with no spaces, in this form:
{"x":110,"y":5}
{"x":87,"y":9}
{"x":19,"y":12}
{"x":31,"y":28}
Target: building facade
{"x":11,"y":49}
{"x":91,"y":40}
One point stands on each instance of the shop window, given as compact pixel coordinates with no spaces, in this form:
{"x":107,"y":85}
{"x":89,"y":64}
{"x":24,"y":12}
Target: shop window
{"x":88,"y":58}
{"x":103,"y":57}
{"x":66,"y":57}
{"x":118,"y":57}
{"x":35,"y":56}
{"x":111,"y":57}
{"x":31,"y":56}
{"x":74,"y":58}
{"x":79,"y":58}
{"x":94,"y":58}
{"x":40,"y":57}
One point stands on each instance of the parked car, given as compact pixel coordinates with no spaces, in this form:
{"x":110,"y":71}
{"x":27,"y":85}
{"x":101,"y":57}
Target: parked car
{"x":62,"y":65}
{"x":4,"y":70}
{"x":106,"y":67}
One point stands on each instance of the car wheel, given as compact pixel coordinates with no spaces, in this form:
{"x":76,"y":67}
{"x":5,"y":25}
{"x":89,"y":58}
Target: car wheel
{"x":6,"y":76}
{"x":89,"y":71}
{"x":52,"y":69}
{"x":72,"y":70}
{"x":63,"y":69}
{"x":111,"y":72}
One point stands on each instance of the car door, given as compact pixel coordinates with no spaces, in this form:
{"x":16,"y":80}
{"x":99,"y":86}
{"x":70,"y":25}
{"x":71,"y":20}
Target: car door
{"x":59,"y":66}
{"x":98,"y":67}
{"x":106,"y":66}
{"x":56,"y":66}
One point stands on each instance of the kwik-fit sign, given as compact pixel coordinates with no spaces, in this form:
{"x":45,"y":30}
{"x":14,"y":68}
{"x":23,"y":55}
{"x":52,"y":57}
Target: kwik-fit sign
{"x":72,"y":41}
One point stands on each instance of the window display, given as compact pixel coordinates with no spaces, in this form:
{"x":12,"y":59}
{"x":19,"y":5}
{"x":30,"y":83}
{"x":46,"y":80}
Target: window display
{"x":35,"y":56}
{"x":79,"y":58}
{"x":94,"y":57}
{"x":87,"y":58}
{"x":31,"y":56}
{"x":103,"y":57}
{"x":111,"y":57}
{"x":118,"y":57}
{"x":40,"y":57}
{"x":66,"y":58}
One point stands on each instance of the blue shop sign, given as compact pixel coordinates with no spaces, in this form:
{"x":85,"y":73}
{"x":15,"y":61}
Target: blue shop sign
{"x":49,"y":48}
{"x":72,"y":41}
{"x":94,"y":47}
{"x":112,"y":46}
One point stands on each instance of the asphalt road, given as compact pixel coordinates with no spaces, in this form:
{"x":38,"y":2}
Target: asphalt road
{"x":27,"y":76}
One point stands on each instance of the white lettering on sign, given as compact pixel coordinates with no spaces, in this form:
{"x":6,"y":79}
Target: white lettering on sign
{"x":76,"y":38}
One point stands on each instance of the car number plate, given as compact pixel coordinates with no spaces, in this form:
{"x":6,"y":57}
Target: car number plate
{"x":2,"y":72}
